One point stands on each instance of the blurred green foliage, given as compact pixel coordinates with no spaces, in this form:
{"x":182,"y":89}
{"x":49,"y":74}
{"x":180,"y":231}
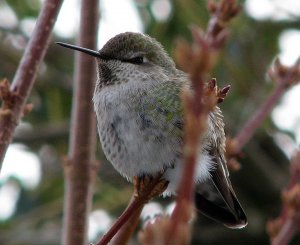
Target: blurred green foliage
{"x":25,"y":9}
{"x":248,"y":52}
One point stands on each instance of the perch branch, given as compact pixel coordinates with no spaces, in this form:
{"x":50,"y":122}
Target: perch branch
{"x":145,"y":191}
{"x":126,"y":231}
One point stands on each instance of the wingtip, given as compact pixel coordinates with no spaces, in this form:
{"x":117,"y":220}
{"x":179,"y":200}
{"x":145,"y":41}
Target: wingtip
{"x":233,"y":219}
{"x":239,"y":225}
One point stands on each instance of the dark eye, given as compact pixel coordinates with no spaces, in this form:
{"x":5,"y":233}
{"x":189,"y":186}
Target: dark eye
{"x":136,"y":60}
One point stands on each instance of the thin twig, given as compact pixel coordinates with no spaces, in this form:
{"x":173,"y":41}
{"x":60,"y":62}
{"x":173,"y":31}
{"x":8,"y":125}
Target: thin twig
{"x":258,"y":117}
{"x":282,"y":229}
{"x":287,"y":231}
{"x":26,"y":73}
{"x":81,"y":168}
{"x":285,"y":77}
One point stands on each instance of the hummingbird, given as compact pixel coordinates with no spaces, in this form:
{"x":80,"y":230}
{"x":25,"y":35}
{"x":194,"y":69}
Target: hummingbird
{"x":140,"y":123}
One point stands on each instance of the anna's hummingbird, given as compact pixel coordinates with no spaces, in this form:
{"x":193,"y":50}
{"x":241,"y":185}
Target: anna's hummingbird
{"x":140,"y":123}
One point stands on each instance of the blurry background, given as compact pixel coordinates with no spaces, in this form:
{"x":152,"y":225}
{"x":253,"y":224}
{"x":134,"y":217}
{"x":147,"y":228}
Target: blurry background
{"x":31,"y":180}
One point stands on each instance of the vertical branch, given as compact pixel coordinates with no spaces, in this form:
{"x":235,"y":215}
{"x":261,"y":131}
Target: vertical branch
{"x":80,"y":169}
{"x":16,"y":96}
{"x":199,"y":62}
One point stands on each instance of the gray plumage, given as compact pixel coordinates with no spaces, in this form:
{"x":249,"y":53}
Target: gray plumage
{"x":140,"y":123}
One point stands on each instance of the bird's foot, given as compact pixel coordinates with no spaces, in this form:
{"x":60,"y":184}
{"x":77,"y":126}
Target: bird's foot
{"x":148,"y":186}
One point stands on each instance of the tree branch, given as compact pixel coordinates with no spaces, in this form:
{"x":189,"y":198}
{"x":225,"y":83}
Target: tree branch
{"x":134,"y":207}
{"x":13,"y":105}
{"x":199,"y":66}
{"x":126,"y":231}
{"x":287,"y":231}
{"x":80,"y":167}
{"x":283,"y":229}
{"x":145,"y":190}
{"x":198,"y":61}
{"x":285,"y":77}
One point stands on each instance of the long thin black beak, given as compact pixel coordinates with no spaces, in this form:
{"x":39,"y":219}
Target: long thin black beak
{"x":84,"y":50}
